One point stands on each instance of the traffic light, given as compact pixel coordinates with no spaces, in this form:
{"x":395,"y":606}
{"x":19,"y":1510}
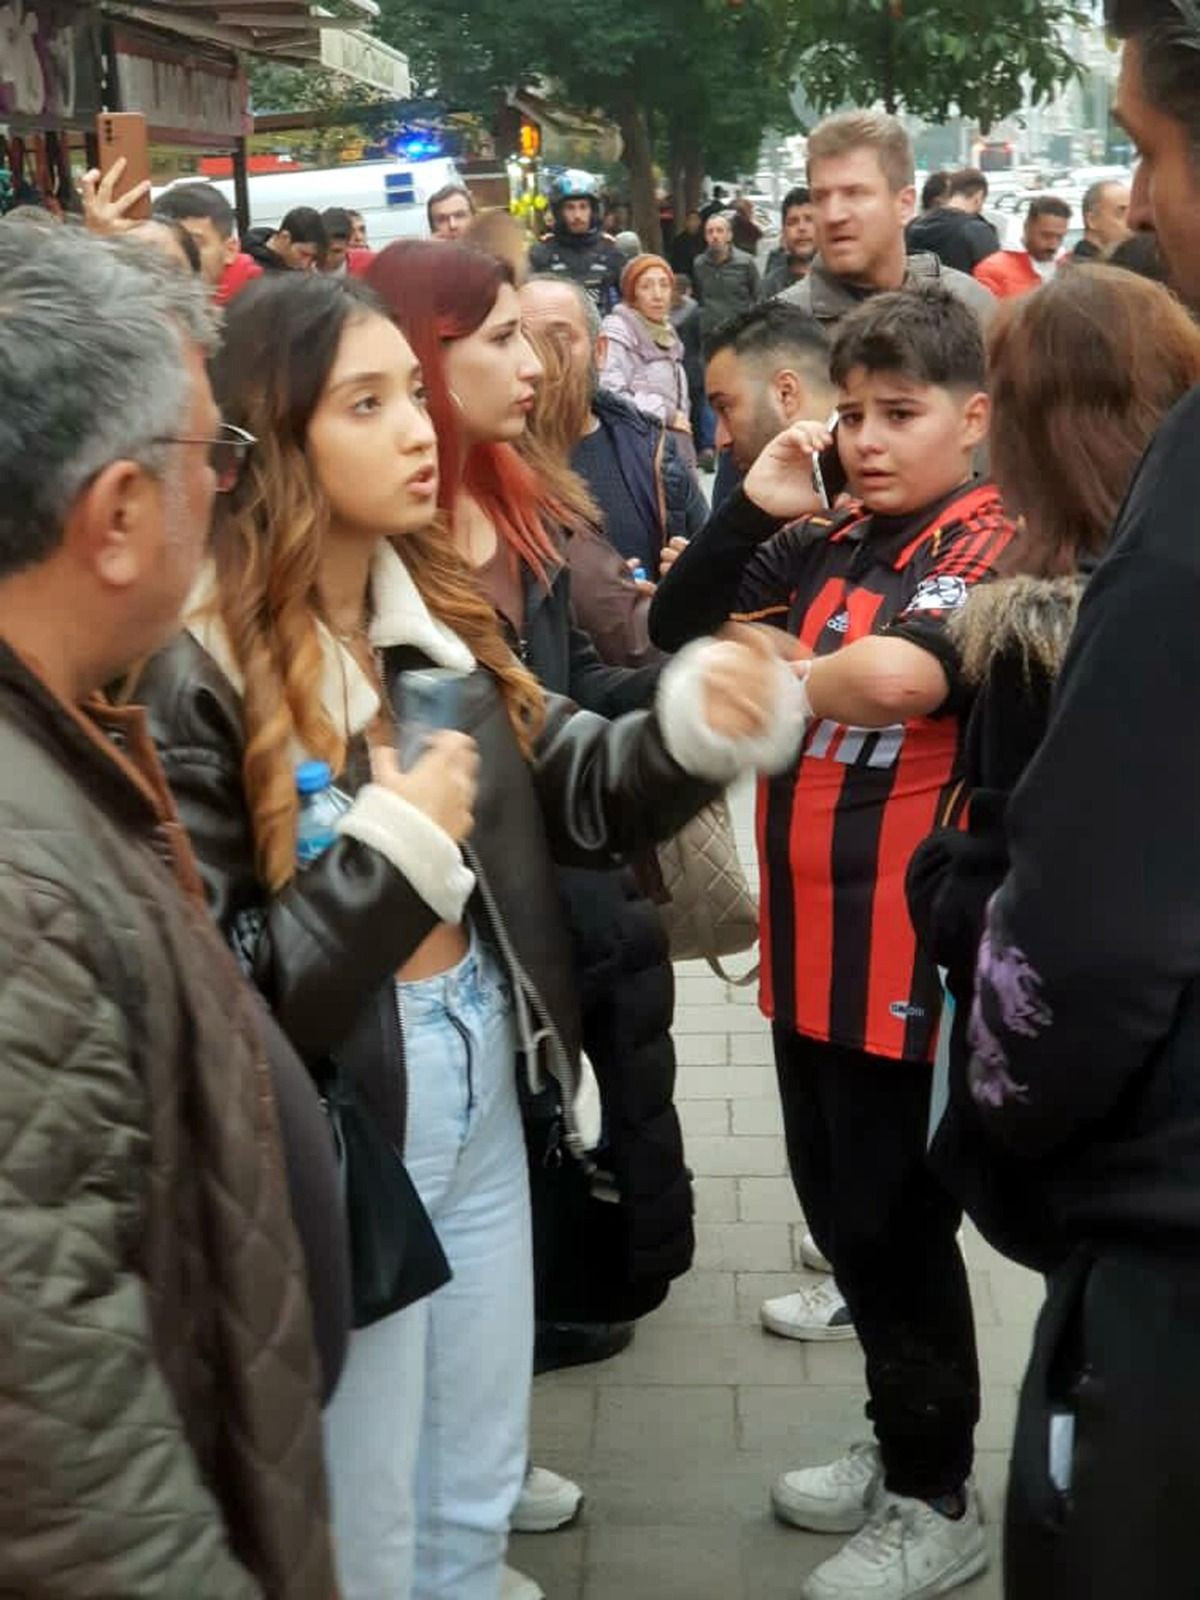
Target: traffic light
{"x":529,"y":140}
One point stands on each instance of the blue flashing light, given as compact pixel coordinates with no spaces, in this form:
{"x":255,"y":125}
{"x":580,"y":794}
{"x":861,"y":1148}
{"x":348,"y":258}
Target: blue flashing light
{"x":418,"y":146}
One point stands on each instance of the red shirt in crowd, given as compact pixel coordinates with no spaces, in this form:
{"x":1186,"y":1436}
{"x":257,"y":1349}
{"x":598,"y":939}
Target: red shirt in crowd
{"x":837,"y":831}
{"x":243,"y":269}
{"x":1008,"y":273}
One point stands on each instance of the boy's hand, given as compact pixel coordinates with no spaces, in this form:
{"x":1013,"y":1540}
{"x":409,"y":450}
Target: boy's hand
{"x":781,"y":481}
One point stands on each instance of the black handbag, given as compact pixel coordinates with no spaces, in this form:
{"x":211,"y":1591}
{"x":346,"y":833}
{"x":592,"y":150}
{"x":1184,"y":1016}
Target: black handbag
{"x":396,"y":1257}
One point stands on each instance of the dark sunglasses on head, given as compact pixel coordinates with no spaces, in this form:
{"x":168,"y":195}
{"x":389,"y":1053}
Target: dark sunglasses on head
{"x":227,"y":452}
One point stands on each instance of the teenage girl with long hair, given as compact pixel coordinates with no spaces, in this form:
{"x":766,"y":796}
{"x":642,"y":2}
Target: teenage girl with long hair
{"x":1081,"y":375}
{"x":516,"y":529}
{"x":422,"y":952}
{"x":460,"y":310}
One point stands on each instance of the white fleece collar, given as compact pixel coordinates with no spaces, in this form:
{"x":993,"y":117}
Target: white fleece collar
{"x":399,"y":617}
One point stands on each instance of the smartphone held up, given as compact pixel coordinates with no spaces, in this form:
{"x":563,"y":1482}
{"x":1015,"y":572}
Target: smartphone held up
{"x":123,"y":136}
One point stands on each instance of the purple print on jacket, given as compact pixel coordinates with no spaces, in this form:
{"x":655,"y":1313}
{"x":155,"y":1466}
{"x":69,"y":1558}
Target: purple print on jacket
{"x":1008,"y":988}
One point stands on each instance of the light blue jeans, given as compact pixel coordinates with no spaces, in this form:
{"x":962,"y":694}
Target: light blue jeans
{"x":427,"y":1433}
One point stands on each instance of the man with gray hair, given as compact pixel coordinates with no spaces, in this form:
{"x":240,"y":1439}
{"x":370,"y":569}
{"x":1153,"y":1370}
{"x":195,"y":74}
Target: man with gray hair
{"x":862,"y":183}
{"x":158,"y":1379}
{"x":647,"y":491}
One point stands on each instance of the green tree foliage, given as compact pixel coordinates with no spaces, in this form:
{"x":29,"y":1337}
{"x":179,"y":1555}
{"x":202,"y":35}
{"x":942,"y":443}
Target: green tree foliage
{"x":701,"y":76}
{"x":933,"y":58}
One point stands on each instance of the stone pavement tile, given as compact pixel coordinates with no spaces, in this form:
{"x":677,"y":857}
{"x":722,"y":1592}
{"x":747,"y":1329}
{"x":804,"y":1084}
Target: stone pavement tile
{"x":665,"y":1357}
{"x":991,"y":1478}
{"x":736,"y":1158}
{"x":757,"y":1117}
{"x":716,"y":1198}
{"x":688,"y":1563}
{"x":1018,"y":1294}
{"x":754,"y":1049}
{"x":563,"y":1420}
{"x":723,"y":1082}
{"x":775,"y":1559}
{"x":744,"y":1246}
{"x":701,"y":1492}
{"x":742,"y":994}
{"x":983,"y":1299}
{"x":800,"y":1426}
{"x":1004,"y":1353}
{"x":671,"y":1425}
{"x":700,"y":1118}
{"x":698,"y":1300}
{"x":998,"y":1415}
{"x":752,"y":1288}
{"x":702,"y":1050}
{"x":766,"y":1199}
{"x":705,"y":990}
{"x":556,"y":1560}
{"x":719,"y":1018}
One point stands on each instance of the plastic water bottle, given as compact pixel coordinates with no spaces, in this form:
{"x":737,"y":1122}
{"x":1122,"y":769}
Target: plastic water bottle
{"x":321,"y":804}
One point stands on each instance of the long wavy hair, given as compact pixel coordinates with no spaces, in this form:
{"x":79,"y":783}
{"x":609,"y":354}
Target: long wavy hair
{"x":437,"y":293}
{"x":556,"y":424}
{"x":281,"y":340}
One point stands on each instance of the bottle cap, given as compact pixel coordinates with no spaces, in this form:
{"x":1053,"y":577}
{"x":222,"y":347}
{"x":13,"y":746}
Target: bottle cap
{"x":313,"y":776}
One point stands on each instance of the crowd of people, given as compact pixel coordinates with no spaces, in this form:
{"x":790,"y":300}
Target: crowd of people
{"x":364,"y":629}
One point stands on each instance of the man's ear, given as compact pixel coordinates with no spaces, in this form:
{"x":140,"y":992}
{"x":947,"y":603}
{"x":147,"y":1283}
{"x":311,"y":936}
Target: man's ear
{"x":601,"y":350}
{"x":976,"y":418}
{"x":108,"y":526}
{"x":791,"y":397}
{"x":232,"y":246}
{"x":907,"y":201}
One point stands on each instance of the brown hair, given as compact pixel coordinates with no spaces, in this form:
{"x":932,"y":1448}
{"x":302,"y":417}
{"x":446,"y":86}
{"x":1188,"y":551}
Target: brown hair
{"x":282,"y":337}
{"x":556,"y":425}
{"x":865,"y":130}
{"x":1082,"y":373}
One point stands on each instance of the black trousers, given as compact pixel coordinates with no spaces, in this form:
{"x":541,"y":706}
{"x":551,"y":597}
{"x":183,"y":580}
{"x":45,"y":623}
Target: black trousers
{"x":856,"y":1129}
{"x":1116,"y":1348}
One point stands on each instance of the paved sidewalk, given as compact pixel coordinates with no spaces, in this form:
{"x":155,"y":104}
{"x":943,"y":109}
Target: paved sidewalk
{"x":677,"y":1440}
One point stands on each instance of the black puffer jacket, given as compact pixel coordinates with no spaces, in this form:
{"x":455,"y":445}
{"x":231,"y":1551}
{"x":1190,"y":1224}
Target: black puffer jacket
{"x":627,"y":1003}
{"x":326,"y":948}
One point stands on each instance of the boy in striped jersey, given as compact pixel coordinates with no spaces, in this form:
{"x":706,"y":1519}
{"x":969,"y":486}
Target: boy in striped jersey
{"x":863,"y":594}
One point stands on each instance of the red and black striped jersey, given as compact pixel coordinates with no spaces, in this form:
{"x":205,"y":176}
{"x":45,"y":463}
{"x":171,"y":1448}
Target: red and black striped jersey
{"x":837,"y":831}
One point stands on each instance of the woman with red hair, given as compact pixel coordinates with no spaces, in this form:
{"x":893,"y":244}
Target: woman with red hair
{"x":460,"y":310}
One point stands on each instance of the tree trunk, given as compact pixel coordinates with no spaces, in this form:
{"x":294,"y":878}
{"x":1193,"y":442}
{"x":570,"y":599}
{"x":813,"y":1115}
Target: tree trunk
{"x":636,"y":155}
{"x":887,"y":62}
{"x":693,"y":174}
{"x":687,"y":173}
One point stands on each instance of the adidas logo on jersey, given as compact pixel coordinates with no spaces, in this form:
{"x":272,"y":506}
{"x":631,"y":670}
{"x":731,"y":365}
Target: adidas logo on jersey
{"x":840,"y":623}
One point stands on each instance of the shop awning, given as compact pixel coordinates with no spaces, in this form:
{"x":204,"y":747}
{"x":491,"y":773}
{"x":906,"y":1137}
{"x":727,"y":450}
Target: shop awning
{"x":288,"y":31}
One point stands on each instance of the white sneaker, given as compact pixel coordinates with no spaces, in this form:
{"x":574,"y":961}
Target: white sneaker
{"x":515,"y":1585}
{"x":546,"y":1502}
{"x":815,"y":1312}
{"x":835,"y":1498}
{"x":906,"y":1551}
{"x":811,"y":1256}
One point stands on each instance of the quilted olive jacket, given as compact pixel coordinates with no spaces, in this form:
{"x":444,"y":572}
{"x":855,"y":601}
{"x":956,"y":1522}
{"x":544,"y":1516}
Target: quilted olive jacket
{"x":159,"y":1427}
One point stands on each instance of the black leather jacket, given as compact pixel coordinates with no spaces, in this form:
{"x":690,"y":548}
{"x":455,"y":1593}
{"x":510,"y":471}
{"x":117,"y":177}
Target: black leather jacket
{"x":324,"y":950}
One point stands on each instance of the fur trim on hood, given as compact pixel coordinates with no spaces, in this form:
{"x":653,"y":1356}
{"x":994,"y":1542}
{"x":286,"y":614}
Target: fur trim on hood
{"x":1030,"y":617}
